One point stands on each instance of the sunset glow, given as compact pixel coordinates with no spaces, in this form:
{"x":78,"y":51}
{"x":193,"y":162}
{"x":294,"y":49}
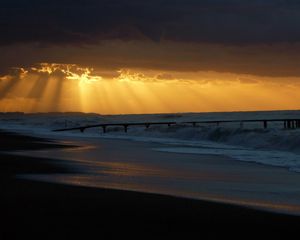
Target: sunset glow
{"x":129,"y":57}
{"x":68,"y":87}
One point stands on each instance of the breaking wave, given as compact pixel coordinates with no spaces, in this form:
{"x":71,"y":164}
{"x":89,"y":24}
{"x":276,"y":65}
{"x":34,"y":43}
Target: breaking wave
{"x":273,"y":146}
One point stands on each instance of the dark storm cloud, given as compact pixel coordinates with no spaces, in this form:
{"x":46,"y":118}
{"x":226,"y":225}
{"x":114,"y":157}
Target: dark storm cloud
{"x":277,"y":60}
{"x":257,"y":37}
{"x":90,"y":21}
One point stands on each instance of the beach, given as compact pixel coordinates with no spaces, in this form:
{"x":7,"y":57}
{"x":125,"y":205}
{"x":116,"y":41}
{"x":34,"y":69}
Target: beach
{"x":50,"y":210}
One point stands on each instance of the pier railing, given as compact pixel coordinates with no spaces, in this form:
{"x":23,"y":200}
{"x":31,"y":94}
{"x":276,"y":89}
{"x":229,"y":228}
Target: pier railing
{"x":286,"y":123}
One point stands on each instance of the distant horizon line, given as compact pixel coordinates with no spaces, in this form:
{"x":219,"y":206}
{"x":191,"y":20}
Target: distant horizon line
{"x":154,"y":113}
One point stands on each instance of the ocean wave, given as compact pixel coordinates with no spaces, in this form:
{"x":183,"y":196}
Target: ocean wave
{"x":251,"y":142}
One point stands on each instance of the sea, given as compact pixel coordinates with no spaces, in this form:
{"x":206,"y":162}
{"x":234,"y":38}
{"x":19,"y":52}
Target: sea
{"x":251,"y":142}
{"x":245,"y":164}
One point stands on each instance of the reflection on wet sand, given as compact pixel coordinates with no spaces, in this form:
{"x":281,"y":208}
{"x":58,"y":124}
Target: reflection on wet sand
{"x":135,"y":166}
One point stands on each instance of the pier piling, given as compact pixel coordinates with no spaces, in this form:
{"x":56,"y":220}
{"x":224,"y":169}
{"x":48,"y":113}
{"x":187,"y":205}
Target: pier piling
{"x":125,"y":127}
{"x":265,"y":124}
{"x":288,"y":124}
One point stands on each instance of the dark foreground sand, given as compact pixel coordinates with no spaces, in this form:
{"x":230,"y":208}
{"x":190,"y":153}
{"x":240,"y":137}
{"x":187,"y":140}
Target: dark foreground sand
{"x":53,"y":211}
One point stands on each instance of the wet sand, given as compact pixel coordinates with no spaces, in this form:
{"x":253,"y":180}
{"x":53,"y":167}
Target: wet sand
{"x":56,"y":211}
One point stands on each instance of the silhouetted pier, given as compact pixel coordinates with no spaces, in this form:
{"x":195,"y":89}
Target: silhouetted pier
{"x":286,"y":123}
{"x":104,"y":126}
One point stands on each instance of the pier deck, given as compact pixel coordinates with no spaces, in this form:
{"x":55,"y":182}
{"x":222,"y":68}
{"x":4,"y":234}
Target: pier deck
{"x":286,"y":123}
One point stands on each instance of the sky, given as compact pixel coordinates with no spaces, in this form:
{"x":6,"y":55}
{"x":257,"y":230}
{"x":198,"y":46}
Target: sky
{"x":135,"y":56}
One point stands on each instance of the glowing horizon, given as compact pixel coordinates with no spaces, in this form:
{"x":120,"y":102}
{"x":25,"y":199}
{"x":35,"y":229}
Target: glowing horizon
{"x":53,"y":87}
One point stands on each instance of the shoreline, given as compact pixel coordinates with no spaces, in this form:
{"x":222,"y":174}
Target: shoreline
{"x":56,"y":210}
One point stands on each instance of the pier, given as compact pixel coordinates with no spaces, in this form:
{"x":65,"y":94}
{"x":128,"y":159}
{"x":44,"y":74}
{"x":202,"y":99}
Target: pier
{"x":104,"y":126}
{"x":286,"y":124}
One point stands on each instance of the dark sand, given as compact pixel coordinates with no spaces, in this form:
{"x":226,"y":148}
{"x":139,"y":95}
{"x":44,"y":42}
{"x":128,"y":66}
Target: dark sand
{"x":53,"y":211}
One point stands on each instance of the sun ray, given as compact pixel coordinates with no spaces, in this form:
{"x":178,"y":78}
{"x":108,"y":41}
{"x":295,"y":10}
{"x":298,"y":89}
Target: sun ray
{"x":68,"y":87}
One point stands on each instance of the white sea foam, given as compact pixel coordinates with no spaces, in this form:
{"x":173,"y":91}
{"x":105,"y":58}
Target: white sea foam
{"x":273,"y":146}
{"x":273,"y":158}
